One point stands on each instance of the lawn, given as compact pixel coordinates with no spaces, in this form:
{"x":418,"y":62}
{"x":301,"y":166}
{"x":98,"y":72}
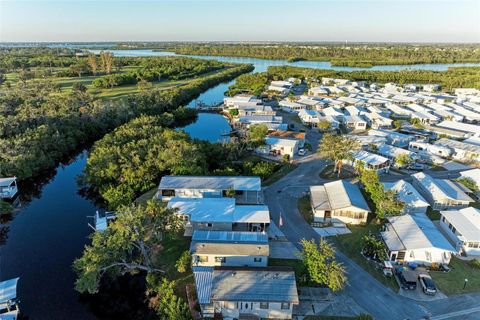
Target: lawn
{"x":452,"y":282}
{"x":173,"y":247}
{"x":295,"y":264}
{"x":351,"y":246}
{"x":143,"y":199}
{"x":305,"y":208}
{"x":280,"y":173}
{"x":327,"y":173}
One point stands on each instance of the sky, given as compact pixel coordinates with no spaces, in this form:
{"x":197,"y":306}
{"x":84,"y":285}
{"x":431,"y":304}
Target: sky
{"x":240,"y":20}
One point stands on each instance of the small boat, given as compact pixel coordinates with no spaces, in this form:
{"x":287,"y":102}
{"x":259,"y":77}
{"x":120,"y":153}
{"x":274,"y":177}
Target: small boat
{"x":8,"y":188}
{"x":9,"y":305}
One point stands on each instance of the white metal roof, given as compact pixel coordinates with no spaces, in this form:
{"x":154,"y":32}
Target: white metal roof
{"x":369,"y":158}
{"x":410,"y":233}
{"x":8,"y":290}
{"x":211,"y":182}
{"x":229,"y":236}
{"x":467,"y":127}
{"x":219,"y":210}
{"x":458,"y":145}
{"x":203,"y":282}
{"x":5,"y":182}
{"x":272,"y":141}
{"x":394,"y":152}
{"x":254,"y":285}
{"x":406,"y":193}
{"x":439,"y":188}
{"x":340,"y":194}
{"x":473,"y":174}
{"x":466,"y":221}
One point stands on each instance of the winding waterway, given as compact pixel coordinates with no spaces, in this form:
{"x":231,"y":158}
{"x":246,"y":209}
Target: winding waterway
{"x":51,"y":229}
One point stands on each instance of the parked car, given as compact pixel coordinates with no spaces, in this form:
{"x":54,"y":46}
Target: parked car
{"x":301,"y":152}
{"x":408,"y":280}
{"x":428,"y":286}
{"x":416,"y":166}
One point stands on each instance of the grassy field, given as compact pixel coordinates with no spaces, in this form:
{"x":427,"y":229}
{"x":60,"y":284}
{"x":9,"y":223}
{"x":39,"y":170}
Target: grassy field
{"x":280,"y":173}
{"x":327,"y":173}
{"x":173,"y":247}
{"x":351,"y":246}
{"x":66,"y":83}
{"x":146,"y":196}
{"x":452,"y":282}
{"x":305,"y":208}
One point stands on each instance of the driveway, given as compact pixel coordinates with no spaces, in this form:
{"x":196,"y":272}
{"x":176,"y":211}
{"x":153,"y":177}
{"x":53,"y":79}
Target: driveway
{"x":366,"y":291}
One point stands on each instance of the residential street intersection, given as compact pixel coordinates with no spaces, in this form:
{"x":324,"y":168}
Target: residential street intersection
{"x":376,"y":299}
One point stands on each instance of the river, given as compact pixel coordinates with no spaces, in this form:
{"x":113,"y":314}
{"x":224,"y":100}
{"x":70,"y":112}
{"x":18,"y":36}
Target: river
{"x":51,"y":229}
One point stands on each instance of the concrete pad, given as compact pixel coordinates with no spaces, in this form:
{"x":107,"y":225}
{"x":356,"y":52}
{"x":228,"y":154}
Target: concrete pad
{"x":322,"y":302}
{"x":283,"y":250}
{"x":452,"y":165}
{"x":418,"y":293}
{"x":332,"y":231}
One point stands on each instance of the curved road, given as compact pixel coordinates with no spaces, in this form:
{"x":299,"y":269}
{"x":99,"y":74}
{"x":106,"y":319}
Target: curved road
{"x":376,"y":299}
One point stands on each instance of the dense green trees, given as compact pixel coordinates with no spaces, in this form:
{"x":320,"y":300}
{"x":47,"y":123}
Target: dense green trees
{"x":131,"y":159}
{"x":453,"y":78}
{"x":39,"y":124}
{"x":320,"y":265}
{"x":157,"y":69}
{"x":359,"y":55}
{"x":385,"y":201}
{"x":257,"y":134}
{"x":132,"y":242}
{"x":166,"y":303}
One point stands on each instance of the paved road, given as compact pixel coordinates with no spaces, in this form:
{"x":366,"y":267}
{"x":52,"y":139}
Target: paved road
{"x":366,"y":291}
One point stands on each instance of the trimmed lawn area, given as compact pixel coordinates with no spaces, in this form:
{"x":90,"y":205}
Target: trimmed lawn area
{"x":173,"y":247}
{"x":280,"y":173}
{"x":351,"y":246}
{"x":143,"y":199}
{"x":305,"y":208}
{"x":452,"y":282}
{"x":327,"y":173}
{"x":295,"y":264}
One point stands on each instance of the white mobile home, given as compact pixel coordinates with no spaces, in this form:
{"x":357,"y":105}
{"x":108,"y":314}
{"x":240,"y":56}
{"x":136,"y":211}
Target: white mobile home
{"x":464,"y":152}
{"x":463,"y":227}
{"x":371,"y":161}
{"x":393,"y":153}
{"x":236,"y":293}
{"x":442,"y":194}
{"x":246,"y":190}
{"x":338,"y":200}
{"x":220,"y":214}
{"x":394,"y":138}
{"x":279,"y":146}
{"x":416,"y":239}
{"x":413,"y":200}
{"x":229,"y":248}
{"x":355,"y":123}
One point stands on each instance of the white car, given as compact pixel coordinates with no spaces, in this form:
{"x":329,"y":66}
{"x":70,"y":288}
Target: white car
{"x":302,"y":152}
